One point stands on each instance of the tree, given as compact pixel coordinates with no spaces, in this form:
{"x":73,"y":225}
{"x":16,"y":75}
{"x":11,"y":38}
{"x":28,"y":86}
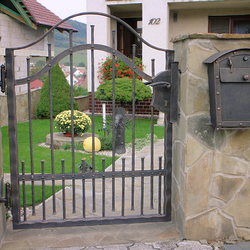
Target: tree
{"x":40,"y":63}
{"x":37,"y":68}
{"x":81,"y":64}
{"x":67,"y":63}
{"x":60,"y":95}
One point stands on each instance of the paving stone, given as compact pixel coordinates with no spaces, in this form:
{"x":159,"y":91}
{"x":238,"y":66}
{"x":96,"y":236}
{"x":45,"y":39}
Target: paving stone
{"x":165,"y":245}
{"x":141,"y":246}
{"x":244,"y":245}
{"x":232,"y":247}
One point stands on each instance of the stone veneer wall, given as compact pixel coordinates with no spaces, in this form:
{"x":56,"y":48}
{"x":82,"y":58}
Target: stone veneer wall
{"x":211,"y":169}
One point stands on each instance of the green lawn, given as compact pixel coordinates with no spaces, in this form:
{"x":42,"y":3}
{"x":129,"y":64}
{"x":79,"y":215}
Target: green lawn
{"x":38,"y":193}
{"x":41,"y":128}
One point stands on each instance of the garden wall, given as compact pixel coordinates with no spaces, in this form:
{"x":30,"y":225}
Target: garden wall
{"x":21,"y":107}
{"x":141,"y":107}
{"x":83,"y":102}
{"x":211,"y":169}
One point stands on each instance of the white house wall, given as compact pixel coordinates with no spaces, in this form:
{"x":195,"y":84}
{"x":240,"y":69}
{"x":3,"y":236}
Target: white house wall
{"x":102,"y":35}
{"x":196,"y":20}
{"x":192,"y":18}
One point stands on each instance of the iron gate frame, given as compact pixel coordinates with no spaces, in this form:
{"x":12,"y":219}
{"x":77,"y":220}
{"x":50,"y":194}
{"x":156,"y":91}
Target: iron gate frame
{"x":169,"y":117}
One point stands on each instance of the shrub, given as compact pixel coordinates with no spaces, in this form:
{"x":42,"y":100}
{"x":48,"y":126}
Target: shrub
{"x":60,"y":95}
{"x":81,"y":121}
{"x":123,"y":90}
{"x":121,"y":69}
{"x":80,"y":91}
{"x":106,"y":142}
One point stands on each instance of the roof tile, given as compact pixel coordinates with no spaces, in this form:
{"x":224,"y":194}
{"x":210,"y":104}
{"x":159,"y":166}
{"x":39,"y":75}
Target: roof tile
{"x":43,"y":16}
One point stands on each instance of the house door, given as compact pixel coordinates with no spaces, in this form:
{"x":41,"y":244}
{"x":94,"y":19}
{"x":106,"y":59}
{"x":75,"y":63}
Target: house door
{"x":125,"y":39}
{"x":132,"y":191}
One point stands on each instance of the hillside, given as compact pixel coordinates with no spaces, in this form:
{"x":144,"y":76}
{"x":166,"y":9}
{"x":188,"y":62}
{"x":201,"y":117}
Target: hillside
{"x":80,"y":37}
{"x":62,"y":39}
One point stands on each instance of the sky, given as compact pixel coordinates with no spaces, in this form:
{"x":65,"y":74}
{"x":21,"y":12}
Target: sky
{"x":65,"y":8}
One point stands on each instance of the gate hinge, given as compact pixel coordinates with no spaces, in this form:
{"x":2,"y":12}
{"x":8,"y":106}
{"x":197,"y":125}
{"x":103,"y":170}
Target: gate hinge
{"x":6,"y":200}
{"x":3,"y":76}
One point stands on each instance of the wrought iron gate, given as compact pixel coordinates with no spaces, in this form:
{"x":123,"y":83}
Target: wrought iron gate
{"x":151,"y":184}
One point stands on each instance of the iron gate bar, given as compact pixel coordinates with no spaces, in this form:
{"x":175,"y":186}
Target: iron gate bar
{"x":89,"y":222}
{"x":89,"y":175}
{"x":152,"y":140}
{"x":11,"y":99}
{"x":72,"y":118}
{"x":142,"y":185}
{"x":51,"y":127}
{"x":83,"y":190}
{"x":77,"y":48}
{"x":24,"y":193}
{"x":113,"y":120}
{"x":133,"y":132}
{"x":103,"y":188}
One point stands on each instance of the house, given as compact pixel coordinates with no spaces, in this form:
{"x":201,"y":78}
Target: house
{"x":82,"y":81}
{"x":160,"y":21}
{"x":21,"y":23}
{"x":37,"y":84}
{"x":80,"y":71}
{"x":75,"y":79}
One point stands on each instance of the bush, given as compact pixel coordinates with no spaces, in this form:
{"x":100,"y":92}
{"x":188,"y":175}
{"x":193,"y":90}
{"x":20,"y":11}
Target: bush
{"x":106,"y":142}
{"x":123,"y":90}
{"x":81,"y":122}
{"x":61,"y":95}
{"x":80,"y":91}
{"x":121,"y":69}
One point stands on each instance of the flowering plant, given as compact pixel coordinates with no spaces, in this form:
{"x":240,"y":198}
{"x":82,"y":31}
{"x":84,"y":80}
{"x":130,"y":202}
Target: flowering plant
{"x":105,"y":71}
{"x":81,"y":121}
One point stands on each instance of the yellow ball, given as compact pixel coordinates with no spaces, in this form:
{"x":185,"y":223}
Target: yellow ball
{"x":87,"y":144}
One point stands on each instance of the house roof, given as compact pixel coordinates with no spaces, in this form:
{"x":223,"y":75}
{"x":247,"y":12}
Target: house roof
{"x":33,"y":14}
{"x":36,"y":84}
{"x":43,"y":16}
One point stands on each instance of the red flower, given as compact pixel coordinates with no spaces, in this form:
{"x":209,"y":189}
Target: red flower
{"x":122,"y":75}
{"x":119,"y":72}
{"x":110,"y":70}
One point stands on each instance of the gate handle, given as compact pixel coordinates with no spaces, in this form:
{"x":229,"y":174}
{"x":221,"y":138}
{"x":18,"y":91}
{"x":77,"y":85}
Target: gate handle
{"x":3,"y":75}
{"x":6,"y":200}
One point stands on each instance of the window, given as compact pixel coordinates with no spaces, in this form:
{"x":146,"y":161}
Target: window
{"x":229,"y":24}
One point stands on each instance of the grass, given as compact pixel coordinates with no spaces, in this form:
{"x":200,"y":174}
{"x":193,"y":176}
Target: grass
{"x":41,"y":128}
{"x":80,"y":56}
{"x":38,"y":193}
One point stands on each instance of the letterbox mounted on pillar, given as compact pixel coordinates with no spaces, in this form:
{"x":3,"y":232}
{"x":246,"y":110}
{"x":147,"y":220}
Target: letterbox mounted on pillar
{"x":229,"y":88}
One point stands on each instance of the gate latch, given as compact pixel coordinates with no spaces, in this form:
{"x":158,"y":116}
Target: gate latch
{"x":3,"y":75}
{"x":6,"y":200}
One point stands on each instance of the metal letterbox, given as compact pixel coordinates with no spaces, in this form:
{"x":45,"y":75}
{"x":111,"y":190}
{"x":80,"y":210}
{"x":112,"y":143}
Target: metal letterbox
{"x":229,"y":88}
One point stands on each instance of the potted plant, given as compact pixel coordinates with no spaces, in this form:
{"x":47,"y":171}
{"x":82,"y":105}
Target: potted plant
{"x":82,"y":122}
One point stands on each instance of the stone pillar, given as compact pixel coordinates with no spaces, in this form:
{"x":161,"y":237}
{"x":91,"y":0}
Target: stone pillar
{"x":2,"y":207}
{"x":211,"y":181}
